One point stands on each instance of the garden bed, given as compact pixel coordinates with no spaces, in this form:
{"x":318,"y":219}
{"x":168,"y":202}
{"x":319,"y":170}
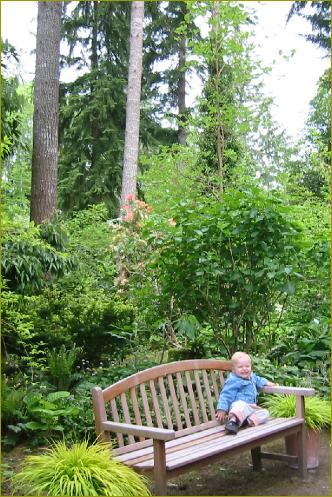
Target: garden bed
{"x":233,"y":477}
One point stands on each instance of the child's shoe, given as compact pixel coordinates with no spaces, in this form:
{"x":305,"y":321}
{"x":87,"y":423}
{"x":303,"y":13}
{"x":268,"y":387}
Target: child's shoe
{"x":232,"y":427}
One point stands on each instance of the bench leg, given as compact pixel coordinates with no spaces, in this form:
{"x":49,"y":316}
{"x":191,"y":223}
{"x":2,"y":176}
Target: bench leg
{"x":256,"y":459}
{"x":160,"y":477}
{"x":302,"y":454}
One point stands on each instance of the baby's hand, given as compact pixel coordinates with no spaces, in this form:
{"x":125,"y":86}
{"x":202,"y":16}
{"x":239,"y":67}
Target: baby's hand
{"x":220,"y":415}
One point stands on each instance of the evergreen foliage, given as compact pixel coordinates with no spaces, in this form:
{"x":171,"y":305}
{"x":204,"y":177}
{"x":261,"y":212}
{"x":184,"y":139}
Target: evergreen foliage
{"x":12,"y":102}
{"x":320,"y":18}
{"x":311,"y":170}
{"x":92,"y":108}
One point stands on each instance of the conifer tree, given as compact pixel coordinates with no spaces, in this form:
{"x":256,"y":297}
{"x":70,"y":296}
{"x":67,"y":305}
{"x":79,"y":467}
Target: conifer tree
{"x":319,"y":15}
{"x":46,"y":113}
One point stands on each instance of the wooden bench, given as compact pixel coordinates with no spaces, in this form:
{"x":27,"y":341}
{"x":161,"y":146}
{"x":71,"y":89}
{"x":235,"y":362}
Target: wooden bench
{"x":164,"y":420}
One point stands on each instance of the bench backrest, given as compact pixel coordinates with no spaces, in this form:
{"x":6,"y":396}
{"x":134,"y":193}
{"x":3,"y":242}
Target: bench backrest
{"x":180,"y":395}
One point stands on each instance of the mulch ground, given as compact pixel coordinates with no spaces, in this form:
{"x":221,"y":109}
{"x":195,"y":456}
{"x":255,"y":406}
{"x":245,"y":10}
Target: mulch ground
{"x":236,"y":477}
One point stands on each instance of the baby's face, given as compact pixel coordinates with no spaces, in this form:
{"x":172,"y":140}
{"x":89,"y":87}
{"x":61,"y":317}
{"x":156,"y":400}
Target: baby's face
{"x":242,"y":367}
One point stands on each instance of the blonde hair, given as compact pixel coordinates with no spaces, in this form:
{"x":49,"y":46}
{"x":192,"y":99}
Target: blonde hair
{"x":239,"y":355}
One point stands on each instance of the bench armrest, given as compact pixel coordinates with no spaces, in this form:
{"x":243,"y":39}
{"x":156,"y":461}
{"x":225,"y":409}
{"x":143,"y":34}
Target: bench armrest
{"x":299,"y":391}
{"x":139,"y":430}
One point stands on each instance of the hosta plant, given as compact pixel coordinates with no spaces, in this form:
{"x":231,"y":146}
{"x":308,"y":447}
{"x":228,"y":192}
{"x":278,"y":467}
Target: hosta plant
{"x":78,"y":470}
{"x":317,"y":410}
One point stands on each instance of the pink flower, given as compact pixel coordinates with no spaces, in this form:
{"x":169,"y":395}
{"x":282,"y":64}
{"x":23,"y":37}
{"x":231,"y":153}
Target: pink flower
{"x":129,"y":216}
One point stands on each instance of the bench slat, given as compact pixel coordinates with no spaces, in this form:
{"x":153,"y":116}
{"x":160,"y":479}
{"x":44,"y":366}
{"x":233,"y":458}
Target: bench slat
{"x":192,"y":398}
{"x":126,"y":414}
{"x":173,"y":443}
{"x":155,"y":404}
{"x":165,"y":403}
{"x":146,"y":406}
{"x":221,"y":378}
{"x":214,"y":424}
{"x":127,"y":449}
{"x":177,"y":446}
{"x":183,"y":400}
{"x":214,"y":383}
{"x":137,"y":413}
{"x":115,"y":415}
{"x":208,"y":393}
{"x":195,"y":429}
{"x":209,"y":442}
{"x":175,"y":402}
{"x":200,"y":396}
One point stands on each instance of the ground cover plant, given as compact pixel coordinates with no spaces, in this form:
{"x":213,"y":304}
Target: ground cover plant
{"x":78,"y":470}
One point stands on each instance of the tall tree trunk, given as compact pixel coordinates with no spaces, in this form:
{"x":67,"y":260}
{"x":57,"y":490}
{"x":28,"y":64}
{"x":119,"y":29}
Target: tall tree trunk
{"x":129,"y":173}
{"x":46,"y":113}
{"x":182,"y":134}
{"x":95,"y":122}
{"x":220,"y":139}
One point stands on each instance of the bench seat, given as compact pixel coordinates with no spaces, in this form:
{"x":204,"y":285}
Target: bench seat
{"x":208,"y":443}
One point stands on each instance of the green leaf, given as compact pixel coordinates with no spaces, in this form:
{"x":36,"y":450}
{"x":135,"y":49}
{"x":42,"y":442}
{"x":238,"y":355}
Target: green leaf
{"x":33,"y":425}
{"x":53,"y":396}
{"x":14,"y":428}
{"x":289,"y":288}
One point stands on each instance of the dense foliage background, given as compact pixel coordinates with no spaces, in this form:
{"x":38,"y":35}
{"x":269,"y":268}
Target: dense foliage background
{"x":225,"y":247}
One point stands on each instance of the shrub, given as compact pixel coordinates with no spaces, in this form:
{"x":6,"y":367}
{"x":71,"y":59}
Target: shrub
{"x":226,"y":263}
{"x":79,"y":470}
{"x":96,"y":320}
{"x":28,"y":261}
{"x":22,"y":348}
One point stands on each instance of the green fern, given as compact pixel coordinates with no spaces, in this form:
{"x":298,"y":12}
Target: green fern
{"x":61,"y":366}
{"x":78,"y":471}
{"x":11,"y":404}
{"x":317,"y":410}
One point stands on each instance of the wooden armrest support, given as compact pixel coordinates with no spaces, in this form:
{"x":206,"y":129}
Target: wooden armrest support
{"x":139,"y":430}
{"x":305,"y":392}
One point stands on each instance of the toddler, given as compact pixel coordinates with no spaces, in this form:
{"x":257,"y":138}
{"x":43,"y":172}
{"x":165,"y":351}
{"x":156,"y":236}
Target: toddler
{"x":239,"y":395}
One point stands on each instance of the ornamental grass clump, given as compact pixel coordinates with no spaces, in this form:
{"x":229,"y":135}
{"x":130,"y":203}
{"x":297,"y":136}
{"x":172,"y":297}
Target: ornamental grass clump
{"x":317,"y":410}
{"x":79,"y":470}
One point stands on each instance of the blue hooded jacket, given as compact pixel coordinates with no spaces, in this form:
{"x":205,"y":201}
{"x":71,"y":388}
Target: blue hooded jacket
{"x":236,"y":388}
